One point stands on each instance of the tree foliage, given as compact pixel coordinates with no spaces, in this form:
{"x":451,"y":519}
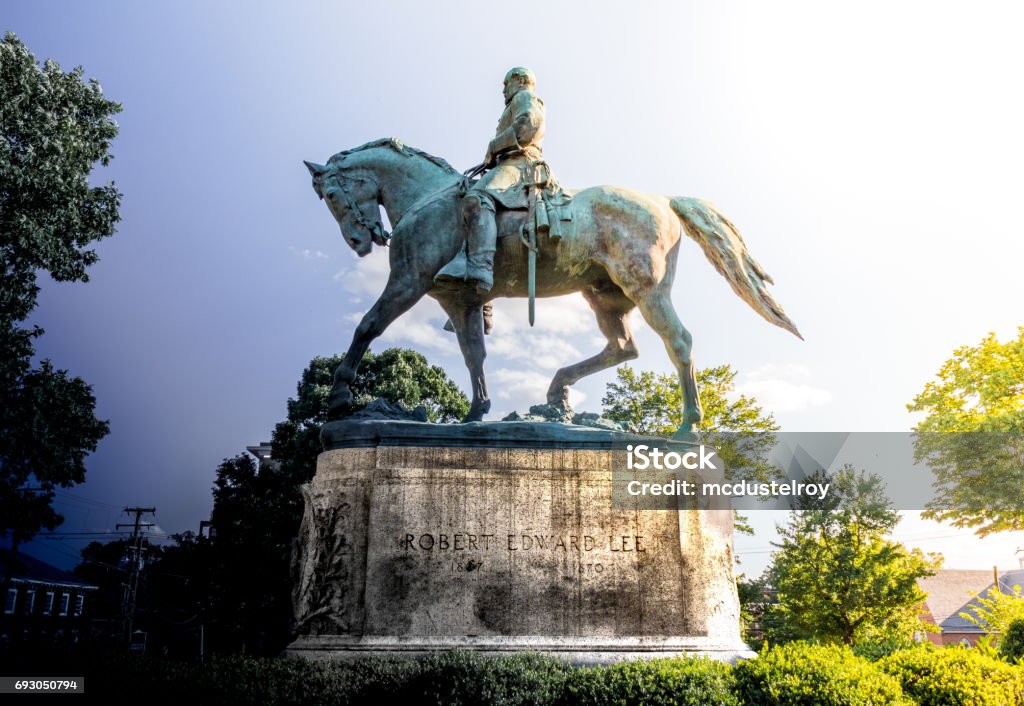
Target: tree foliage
{"x":996,"y":610}
{"x":652,"y":403}
{"x":972,"y":436}
{"x":1011,"y":646}
{"x":256,"y":514}
{"x":741,"y":431}
{"x":54,"y":128}
{"x":837,"y":578}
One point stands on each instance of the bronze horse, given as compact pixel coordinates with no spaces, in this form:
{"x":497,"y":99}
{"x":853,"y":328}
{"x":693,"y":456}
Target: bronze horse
{"x":622,"y":255}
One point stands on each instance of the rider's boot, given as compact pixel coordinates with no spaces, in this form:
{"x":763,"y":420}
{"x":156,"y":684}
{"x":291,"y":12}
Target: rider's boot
{"x":476,"y":264}
{"x":483,"y":235}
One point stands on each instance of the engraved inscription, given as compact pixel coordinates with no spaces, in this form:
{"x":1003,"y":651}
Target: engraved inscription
{"x":465,"y":541}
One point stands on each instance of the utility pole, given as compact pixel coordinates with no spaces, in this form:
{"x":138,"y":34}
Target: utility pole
{"x":135,"y":553}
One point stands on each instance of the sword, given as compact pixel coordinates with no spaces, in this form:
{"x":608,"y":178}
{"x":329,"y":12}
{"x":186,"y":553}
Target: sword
{"x":531,"y":273}
{"x":530,"y":241}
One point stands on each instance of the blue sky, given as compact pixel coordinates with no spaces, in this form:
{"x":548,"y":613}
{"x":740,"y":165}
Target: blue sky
{"x":869,"y":153}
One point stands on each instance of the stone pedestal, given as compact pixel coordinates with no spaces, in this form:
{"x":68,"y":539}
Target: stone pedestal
{"x":500,"y":537}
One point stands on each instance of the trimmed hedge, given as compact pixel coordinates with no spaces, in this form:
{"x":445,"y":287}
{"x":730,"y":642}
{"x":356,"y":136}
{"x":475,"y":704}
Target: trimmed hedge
{"x":466,"y":678}
{"x":955,"y":676}
{"x":796,"y":674}
{"x":444,"y":679}
{"x":801,"y":674}
{"x":656,"y":682}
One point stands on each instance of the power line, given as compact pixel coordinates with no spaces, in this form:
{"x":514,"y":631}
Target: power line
{"x":74,"y":497}
{"x":59,"y":550}
{"x":84,"y":533}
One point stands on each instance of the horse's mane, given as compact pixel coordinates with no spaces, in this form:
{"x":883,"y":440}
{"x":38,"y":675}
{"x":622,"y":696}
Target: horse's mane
{"x":399,"y":147}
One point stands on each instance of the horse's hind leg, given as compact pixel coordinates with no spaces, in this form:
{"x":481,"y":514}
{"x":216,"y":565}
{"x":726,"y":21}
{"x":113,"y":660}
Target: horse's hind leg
{"x":658,"y":311}
{"x":654,"y":298}
{"x":468,"y":320}
{"x":612,"y":309}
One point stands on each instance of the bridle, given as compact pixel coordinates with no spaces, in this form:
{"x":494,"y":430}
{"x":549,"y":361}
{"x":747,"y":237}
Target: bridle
{"x":374,"y":228}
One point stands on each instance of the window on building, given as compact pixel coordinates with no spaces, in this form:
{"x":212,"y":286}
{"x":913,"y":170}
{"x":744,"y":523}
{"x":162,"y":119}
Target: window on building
{"x":79,"y":604}
{"x":65,"y":600}
{"x":30,"y":601}
{"x":11,"y":601}
{"x":48,"y":603}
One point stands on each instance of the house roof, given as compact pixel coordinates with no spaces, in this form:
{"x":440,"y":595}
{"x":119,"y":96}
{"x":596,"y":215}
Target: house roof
{"x":28,"y":568}
{"x":952,"y":591}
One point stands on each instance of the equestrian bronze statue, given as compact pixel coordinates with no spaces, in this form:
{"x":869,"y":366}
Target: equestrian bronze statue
{"x":516,"y":233}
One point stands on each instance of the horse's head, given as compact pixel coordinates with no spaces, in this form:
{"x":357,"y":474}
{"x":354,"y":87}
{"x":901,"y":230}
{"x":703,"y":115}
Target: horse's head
{"x":354,"y":202}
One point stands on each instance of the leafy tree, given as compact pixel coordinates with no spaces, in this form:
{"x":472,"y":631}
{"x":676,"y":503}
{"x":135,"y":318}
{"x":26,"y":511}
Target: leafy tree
{"x":837,"y":578}
{"x":756,"y":597}
{"x":652,"y":403}
{"x":256,"y":514}
{"x":972,"y":436}
{"x":740,"y":430}
{"x":54,"y":128}
{"x":1011,"y":647}
{"x":995,"y":611}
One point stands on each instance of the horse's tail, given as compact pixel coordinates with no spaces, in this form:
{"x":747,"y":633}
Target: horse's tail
{"x":725,"y":249}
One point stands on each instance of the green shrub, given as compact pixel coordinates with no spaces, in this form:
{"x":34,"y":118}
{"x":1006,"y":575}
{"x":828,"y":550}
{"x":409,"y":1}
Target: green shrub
{"x":1011,"y":647}
{"x":801,"y":674}
{"x":876,"y":649}
{"x":468,"y":679}
{"x":955,"y":676}
{"x":670,"y":681}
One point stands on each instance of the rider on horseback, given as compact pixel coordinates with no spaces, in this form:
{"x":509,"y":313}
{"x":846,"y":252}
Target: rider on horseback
{"x":515,"y":161}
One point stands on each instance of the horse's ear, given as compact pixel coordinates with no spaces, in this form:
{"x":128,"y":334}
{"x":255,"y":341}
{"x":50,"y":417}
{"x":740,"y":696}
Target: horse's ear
{"x":314,"y":168}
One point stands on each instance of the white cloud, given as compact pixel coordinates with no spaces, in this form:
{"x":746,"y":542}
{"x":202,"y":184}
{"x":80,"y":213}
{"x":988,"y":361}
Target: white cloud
{"x":566,"y":315}
{"x":541,"y":350}
{"x":774,"y":388}
{"x":772,"y":371}
{"x":520,"y":384}
{"x":366,"y":275}
{"x":526,"y":387}
{"x":420,"y":327}
{"x":308,"y":254}
{"x":564,"y":326}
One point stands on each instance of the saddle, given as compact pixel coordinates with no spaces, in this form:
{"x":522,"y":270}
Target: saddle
{"x":547,"y":212}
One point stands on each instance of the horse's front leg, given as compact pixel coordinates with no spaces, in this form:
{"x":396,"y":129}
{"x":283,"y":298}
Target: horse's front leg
{"x":466,"y":314}
{"x":398,"y":297}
